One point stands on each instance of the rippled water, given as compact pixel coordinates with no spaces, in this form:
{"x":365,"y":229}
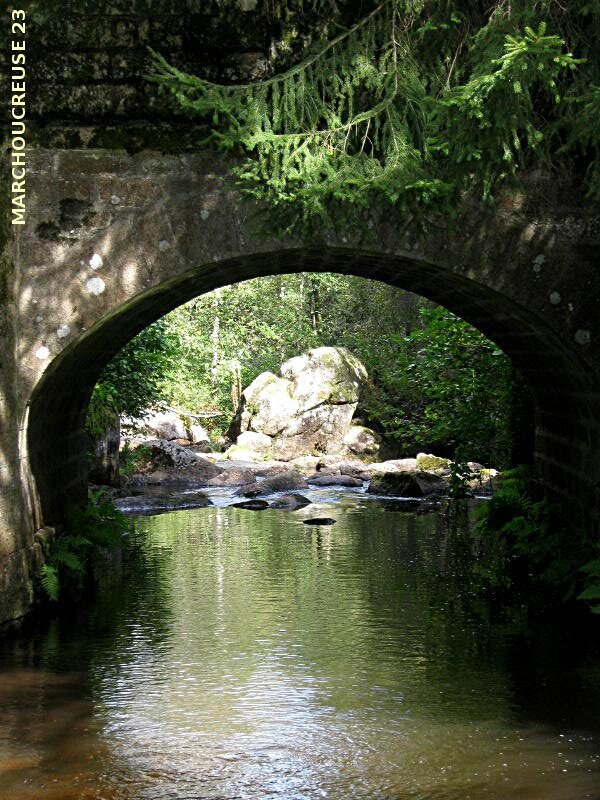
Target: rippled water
{"x":238,"y":654}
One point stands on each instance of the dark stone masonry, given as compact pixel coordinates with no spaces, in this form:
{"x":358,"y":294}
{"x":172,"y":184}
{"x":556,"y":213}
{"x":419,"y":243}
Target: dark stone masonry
{"x":122,"y":226}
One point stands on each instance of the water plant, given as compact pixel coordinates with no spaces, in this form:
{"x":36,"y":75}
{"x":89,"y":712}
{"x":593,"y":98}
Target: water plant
{"x":533,"y":551}
{"x":89,"y":529}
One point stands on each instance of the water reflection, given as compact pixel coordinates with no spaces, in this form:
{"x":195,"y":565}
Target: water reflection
{"x":246,"y":655}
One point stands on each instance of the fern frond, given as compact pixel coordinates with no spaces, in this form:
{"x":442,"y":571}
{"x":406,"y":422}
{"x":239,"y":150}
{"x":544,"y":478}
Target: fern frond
{"x":50,"y":582}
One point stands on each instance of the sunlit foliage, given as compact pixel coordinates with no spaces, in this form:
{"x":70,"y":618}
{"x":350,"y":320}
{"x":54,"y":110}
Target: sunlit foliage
{"x":410,"y":106}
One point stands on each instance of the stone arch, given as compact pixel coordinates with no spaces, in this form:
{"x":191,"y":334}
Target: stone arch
{"x":563,"y":388}
{"x":113,"y":240}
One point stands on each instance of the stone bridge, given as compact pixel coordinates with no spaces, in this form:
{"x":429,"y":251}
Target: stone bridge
{"x":114,"y":241}
{"x":114,"y":238}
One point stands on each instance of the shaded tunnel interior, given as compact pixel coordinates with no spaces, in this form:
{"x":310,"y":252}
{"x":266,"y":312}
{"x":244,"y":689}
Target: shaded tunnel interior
{"x":565,"y":397}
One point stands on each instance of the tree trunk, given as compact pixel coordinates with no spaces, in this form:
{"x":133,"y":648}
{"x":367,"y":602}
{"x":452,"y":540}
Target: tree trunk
{"x":104,"y":469}
{"x":215,"y":336}
{"x":236,"y":384}
{"x":315,"y":314}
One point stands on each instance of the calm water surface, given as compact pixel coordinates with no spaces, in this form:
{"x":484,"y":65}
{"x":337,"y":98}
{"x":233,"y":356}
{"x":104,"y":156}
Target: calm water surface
{"x":238,"y":654}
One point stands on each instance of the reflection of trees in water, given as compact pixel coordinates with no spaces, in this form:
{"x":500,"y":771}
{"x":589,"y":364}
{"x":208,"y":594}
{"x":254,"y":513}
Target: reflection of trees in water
{"x":368,"y":588}
{"x":224,"y":632}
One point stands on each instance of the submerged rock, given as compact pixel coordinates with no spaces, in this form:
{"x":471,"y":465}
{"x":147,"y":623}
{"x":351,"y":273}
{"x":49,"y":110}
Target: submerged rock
{"x":154,"y":504}
{"x":396,"y":484}
{"x":252,"y":505}
{"x":412,"y":505}
{"x":334,"y":480}
{"x":278,"y":483}
{"x":290,"y":502}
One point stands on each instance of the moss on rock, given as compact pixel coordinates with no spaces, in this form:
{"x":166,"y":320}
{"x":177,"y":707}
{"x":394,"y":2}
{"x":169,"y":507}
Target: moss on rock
{"x":429,"y":463}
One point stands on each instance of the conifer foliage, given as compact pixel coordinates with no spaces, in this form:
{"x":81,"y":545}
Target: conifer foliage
{"x":410,"y":105}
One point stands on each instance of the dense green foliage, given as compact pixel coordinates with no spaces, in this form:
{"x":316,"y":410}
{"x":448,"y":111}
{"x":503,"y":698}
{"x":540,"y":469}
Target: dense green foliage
{"x":531,"y":551}
{"x":411,"y":105}
{"x":93,"y":528}
{"x":102,"y":411}
{"x":443,"y":386}
{"x":436,"y":382}
{"x":133,"y":380}
{"x":228,"y":337}
{"x":134,"y":376}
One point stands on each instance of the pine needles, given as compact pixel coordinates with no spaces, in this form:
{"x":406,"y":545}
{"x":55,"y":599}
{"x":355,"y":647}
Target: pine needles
{"x":405,"y":108}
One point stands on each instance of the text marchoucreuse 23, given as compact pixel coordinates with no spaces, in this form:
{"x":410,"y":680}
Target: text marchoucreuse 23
{"x":17,"y":116}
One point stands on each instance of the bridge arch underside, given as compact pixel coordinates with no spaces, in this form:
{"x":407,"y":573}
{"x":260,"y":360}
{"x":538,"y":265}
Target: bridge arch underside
{"x":566,"y":396}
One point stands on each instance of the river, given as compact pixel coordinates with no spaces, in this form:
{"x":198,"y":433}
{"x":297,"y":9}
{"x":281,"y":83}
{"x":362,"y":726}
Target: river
{"x":237,"y":654}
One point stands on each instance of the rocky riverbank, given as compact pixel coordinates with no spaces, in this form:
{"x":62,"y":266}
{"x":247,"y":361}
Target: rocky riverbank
{"x":170,"y":476}
{"x":294,"y":434}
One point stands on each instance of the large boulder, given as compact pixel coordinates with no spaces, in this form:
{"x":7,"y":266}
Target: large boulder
{"x":237,"y":476}
{"x":286,"y":481}
{"x":395,"y":484}
{"x":406,"y":484}
{"x":318,"y":430}
{"x":325,"y":375}
{"x":362,"y":441}
{"x":252,"y":440}
{"x":268,"y":405}
{"x":394,"y":465}
{"x":306,"y":410}
{"x":165,"y":425}
{"x":401,"y":464}
{"x":239,"y":453}
{"x":198,"y":434}
{"x":160,"y":462}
